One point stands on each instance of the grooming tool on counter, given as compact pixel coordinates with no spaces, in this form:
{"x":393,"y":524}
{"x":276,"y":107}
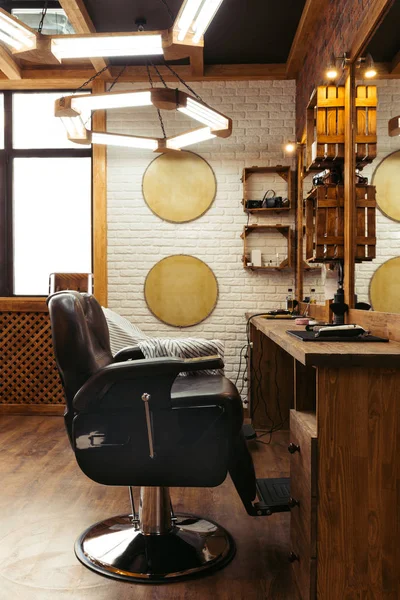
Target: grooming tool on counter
{"x":279,"y":313}
{"x":302,"y":321}
{"x":340,"y":331}
{"x":334,"y":333}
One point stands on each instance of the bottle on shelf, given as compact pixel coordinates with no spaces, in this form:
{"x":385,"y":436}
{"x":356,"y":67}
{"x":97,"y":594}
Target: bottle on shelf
{"x":289,"y":300}
{"x":313,"y":299}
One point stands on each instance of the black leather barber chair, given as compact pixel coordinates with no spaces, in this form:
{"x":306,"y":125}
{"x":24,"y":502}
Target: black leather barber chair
{"x":134,"y":422}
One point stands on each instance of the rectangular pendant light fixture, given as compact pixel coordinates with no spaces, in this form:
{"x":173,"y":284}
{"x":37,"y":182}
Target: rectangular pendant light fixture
{"x":108,"y":100}
{"x":106,"y":45}
{"x":15,"y":34}
{"x":195,"y":16}
{"x":127,"y":141}
{"x":189,"y":138}
{"x":204,"y":18}
{"x":204,"y":114}
{"x":76,"y":130}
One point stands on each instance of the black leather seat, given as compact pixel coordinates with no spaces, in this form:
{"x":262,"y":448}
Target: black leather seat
{"x":134,"y":422}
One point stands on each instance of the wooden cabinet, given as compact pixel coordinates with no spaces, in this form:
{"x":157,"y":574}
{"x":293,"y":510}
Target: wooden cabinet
{"x":345,"y":462}
{"x":303,"y":491}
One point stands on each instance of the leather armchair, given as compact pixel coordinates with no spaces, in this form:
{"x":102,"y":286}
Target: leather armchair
{"x":134,"y":422}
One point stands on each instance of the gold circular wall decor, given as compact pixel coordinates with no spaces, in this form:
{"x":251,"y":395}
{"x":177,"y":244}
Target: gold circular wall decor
{"x":384,"y":289}
{"x":181,"y":290}
{"x":386,"y":178}
{"x":179,"y":187}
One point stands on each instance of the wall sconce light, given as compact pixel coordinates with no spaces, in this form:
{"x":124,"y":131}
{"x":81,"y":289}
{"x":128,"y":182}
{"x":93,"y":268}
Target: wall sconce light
{"x":332,"y":72}
{"x":290,"y":147}
{"x":370,"y":70}
{"x":368,"y":66}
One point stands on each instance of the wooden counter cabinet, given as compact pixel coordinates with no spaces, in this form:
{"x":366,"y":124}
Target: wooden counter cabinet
{"x":344,"y":411}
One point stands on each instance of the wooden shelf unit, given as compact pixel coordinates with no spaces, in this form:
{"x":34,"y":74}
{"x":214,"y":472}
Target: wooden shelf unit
{"x":325,"y":126}
{"x":325,"y":223}
{"x":285,"y":230}
{"x":283,"y":171}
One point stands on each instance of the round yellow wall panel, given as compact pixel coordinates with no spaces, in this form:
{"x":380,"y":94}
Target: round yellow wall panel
{"x":384,"y":291}
{"x":181,"y":290}
{"x":387,"y":181}
{"x":179,"y":187}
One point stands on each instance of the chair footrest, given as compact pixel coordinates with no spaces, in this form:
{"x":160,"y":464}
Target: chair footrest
{"x":274,"y":495}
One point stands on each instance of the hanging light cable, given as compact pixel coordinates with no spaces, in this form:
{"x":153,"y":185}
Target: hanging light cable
{"x":70,"y":108}
{"x":44,"y":12}
{"x":158,"y":110}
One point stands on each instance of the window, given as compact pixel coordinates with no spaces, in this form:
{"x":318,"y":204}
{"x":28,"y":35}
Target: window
{"x":55,"y":22}
{"x":45,"y":196}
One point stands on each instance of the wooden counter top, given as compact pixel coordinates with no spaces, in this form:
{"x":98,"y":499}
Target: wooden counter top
{"x":329,"y":354}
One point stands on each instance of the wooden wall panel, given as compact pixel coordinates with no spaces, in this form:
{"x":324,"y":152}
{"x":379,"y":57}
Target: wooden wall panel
{"x":271,"y":383}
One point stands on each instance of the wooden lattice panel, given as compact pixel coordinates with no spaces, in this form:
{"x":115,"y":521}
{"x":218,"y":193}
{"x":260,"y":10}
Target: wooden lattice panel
{"x":28,"y":372}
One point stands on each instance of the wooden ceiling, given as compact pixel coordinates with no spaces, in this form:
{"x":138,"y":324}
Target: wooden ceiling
{"x":251,"y":31}
{"x":385,"y":44}
{"x":252,"y":39}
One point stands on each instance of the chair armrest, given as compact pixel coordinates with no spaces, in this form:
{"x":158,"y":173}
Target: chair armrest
{"x":128,"y":353}
{"x":153,"y":375}
{"x":202,"y":363}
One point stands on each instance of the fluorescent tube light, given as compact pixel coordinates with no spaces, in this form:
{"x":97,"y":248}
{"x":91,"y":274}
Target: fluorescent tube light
{"x":95,"y":46}
{"x":16,"y":34}
{"x":205,"y":115}
{"x":204,"y":18}
{"x":128,"y":141}
{"x":191,"y":137}
{"x":75,"y":129}
{"x":188,"y":13}
{"x":111,"y":100}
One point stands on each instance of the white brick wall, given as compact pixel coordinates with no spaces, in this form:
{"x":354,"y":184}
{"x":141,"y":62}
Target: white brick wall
{"x":263,"y":114}
{"x":387,"y":231}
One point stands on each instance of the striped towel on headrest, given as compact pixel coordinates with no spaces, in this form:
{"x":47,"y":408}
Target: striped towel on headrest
{"x":123,"y":333}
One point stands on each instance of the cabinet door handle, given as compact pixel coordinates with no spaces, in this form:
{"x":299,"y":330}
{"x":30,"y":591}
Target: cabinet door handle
{"x":293,"y":448}
{"x":293,"y":557}
{"x":292,"y":503}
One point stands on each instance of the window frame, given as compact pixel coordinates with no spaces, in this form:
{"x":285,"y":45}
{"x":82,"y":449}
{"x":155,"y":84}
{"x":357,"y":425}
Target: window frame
{"x":7,"y":156}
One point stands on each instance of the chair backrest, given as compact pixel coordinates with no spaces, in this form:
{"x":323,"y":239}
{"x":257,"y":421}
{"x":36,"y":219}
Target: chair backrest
{"x":80,"y":339}
{"x":80,"y":282}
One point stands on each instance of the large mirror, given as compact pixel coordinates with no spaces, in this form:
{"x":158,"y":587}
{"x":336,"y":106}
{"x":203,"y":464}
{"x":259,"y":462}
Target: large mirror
{"x":377,"y":282}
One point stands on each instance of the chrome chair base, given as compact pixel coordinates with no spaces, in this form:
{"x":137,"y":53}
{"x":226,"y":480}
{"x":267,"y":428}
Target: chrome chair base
{"x":117,"y":548}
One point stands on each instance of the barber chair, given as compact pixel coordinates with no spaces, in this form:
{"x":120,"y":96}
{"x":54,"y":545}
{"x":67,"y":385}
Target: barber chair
{"x":134,"y":422}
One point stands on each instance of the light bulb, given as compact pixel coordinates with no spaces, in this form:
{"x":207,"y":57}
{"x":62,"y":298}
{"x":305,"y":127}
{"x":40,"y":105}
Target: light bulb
{"x":332,"y":73}
{"x":370,"y":70}
{"x":370,"y":73}
{"x":290,"y":147}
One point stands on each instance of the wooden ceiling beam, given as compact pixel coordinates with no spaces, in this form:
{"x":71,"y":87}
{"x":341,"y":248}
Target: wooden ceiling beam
{"x":9,"y":66}
{"x":70,"y":78}
{"x":80,"y":20}
{"x":312,"y":13}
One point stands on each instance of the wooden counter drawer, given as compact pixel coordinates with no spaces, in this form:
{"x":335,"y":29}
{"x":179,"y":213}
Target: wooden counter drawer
{"x":303,"y":489}
{"x":304,"y":568}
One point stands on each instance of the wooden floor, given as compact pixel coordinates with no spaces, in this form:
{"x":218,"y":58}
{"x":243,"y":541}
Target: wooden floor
{"x":45,"y":502}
